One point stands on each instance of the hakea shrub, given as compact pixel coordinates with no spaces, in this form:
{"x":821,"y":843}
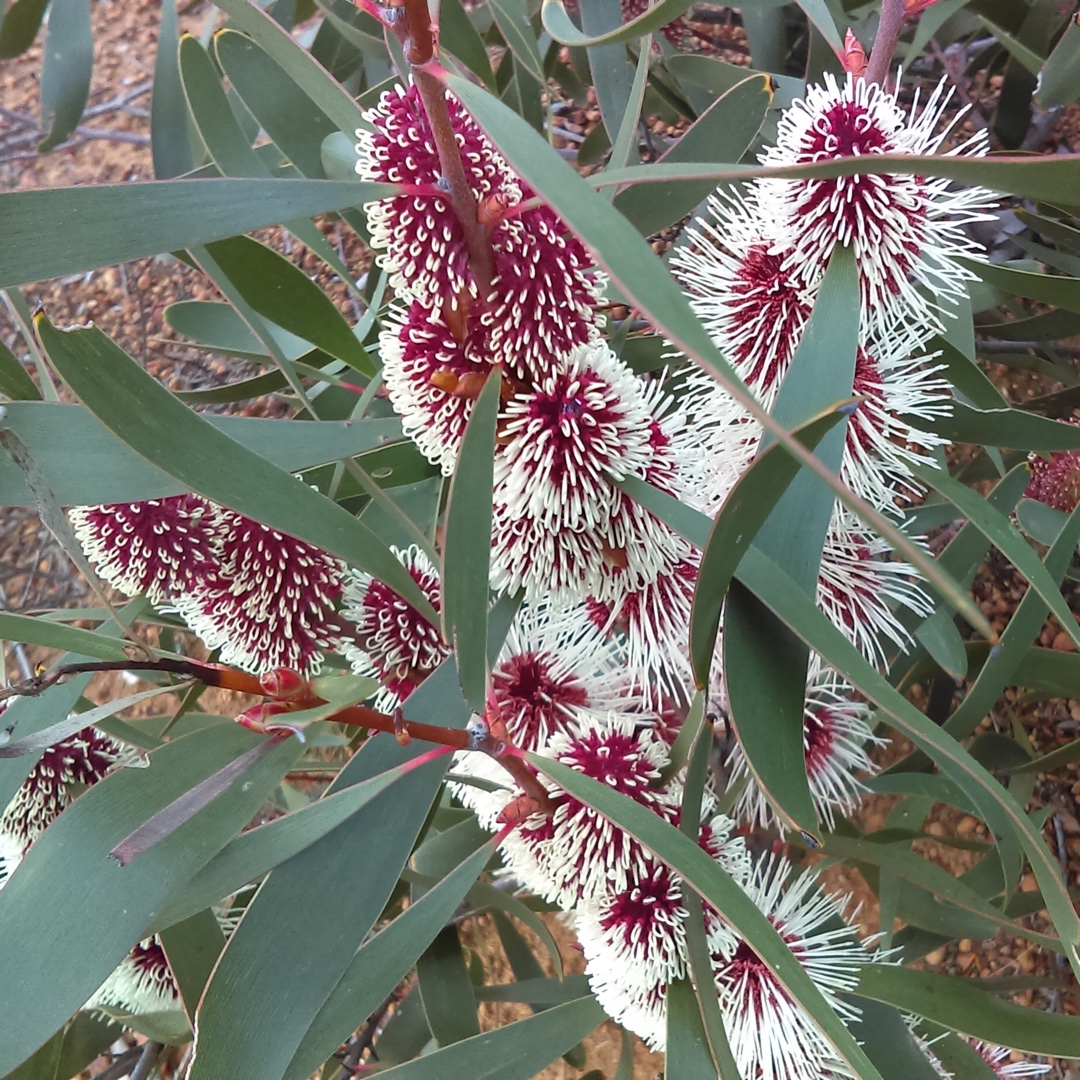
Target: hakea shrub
{"x":594,"y":672}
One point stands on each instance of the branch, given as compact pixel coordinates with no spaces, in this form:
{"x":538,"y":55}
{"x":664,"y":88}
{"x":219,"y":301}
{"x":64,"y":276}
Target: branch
{"x":890,"y":27}
{"x":410,"y":21}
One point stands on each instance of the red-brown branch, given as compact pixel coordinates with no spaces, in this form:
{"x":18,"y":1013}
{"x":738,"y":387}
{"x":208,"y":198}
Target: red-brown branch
{"x":890,"y":27}
{"x":297,"y":694}
{"x":410,"y":21}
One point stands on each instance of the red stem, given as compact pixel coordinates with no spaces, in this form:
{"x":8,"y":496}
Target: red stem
{"x":414,"y":30}
{"x":362,"y":716}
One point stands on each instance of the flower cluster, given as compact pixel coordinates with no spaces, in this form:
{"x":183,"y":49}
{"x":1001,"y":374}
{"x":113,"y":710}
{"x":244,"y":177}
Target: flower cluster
{"x":594,"y":672}
{"x":753,"y":267}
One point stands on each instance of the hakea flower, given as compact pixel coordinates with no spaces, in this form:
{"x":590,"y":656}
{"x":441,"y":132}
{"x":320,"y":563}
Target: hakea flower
{"x":906,"y":232}
{"x":542,"y":300}
{"x":771,"y":1037}
{"x":634,"y":940}
{"x":264,"y":598}
{"x":882,"y":441}
{"x":561,"y":528}
{"x":753,"y":305}
{"x":141,"y":985}
{"x":392,"y":641}
{"x":158,"y":547}
{"x":895,"y":390}
{"x":653,"y":621}
{"x":1000,"y":1059}
{"x":79,"y":761}
{"x":270,"y":601}
{"x":431,"y":381}
{"x":859,"y":585}
{"x":1055,"y":478}
{"x":576,"y":853}
{"x":836,"y":734}
{"x":542,"y":303}
{"x":554,"y":664}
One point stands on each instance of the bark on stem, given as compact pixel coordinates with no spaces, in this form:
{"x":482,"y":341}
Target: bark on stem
{"x":413,"y":28}
{"x":890,"y":27}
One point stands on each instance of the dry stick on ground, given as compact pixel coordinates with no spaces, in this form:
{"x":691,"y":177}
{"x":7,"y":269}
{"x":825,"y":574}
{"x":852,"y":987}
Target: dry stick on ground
{"x":147,"y":1065}
{"x":953,"y":73}
{"x":121,"y":1066}
{"x":27,"y":129}
{"x":365,"y":1039}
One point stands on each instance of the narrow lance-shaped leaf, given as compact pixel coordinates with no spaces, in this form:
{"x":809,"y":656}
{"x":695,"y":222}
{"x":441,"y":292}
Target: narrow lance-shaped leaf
{"x":687,"y":1055}
{"x":619,"y":90}
{"x":19,"y":26}
{"x":68,"y":61}
{"x":1013,"y":428}
{"x":305,"y":71}
{"x":512,"y":19}
{"x":446,"y":989}
{"x":726,"y":128}
{"x":1063,"y":292}
{"x":890,"y":1044}
{"x":460,"y":38}
{"x":742,"y":515}
{"x":220,"y":130}
{"x":258,"y":851}
{"x":169,"y":140}
{"x":1003,"y":535}
{"x":295,"y":122}
{"x":993,"y":803}
{"x":954,"y":1003}
{"x":381,"y":963}
{"x":69,"y":230}
{"x":279,"y":290}
{"x":765,"y":669}
{"x":718,"y":77}
{"x":1059,"y":80}
{"x":764,"y":663}
{"x":517,"y":1051}
{"x":27,"y":628}
{"x":243,"y":1015}
{"x":467,"y":547}
{"x":15,"y":381}
{"x":145,"y":416}
{"x":1034,"y":176}
{"x":70,"y":448}
{"x":559,"y":25}
{"x":115,"y":904}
